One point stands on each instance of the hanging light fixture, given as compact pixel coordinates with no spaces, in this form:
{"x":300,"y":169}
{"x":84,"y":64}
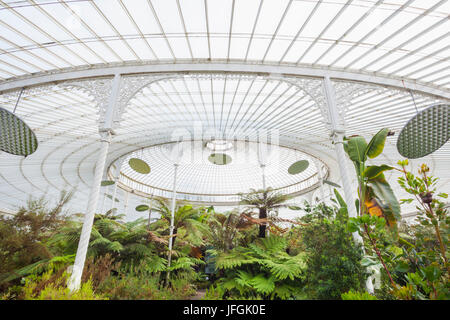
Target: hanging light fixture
{"x":298,"y":167}
{"x":426,"y":132}
{"x":16,"y":137}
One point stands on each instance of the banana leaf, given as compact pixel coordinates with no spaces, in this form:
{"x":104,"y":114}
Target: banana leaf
{"x":356,"y":149}
{"x":374,"y":171}
{"x":383,"y":192}
{"x":376,"y":144}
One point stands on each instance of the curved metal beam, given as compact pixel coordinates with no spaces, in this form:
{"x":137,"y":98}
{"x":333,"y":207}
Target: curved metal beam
{"x":278,"y":70}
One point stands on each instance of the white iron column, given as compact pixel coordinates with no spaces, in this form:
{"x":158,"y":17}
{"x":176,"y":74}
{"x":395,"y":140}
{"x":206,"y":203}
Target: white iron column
{"x":75,"y":280}
{"x":105,"y":133}
{"x":172,"y":217}
{"x":337,"y":134}
{"x":319,"y":171}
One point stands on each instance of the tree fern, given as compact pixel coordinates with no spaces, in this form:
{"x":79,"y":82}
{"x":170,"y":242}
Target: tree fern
{"x":235,"y":258}
{"x":286,"y":267}
{"x":244,"y":279}
{"x":259,"y":269}
{"x":38,"y":267}
{"x":156,"y":264}
{"x":263,"y":284}
{"x":185,"y":263}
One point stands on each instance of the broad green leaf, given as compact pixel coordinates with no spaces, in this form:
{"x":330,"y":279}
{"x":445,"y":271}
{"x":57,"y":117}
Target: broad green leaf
{"x":383,"y":191}
{"x":402,"y":267}
{"x":353,"y":225}
{"x":373,"y":171}
{"x":395,"y":250}
{"x":263,"y":284}
{"x":339,"y":198}
{"x":345,"y":145}
{"x":431,"y":273}
{"x":376,"y":145}
{"x":357,"y":149}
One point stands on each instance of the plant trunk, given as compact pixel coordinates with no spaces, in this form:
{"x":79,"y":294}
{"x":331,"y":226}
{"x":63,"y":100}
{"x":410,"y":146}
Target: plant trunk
{"x":170,"y":258}
{"x":262,"y":227}
{"x":174,"y":237}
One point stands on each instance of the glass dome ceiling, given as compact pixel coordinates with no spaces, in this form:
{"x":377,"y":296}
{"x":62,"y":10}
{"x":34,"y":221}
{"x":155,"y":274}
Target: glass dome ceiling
{"x":234,"y":68}
{"x":407,"y":38}
{"x":200,"y":180}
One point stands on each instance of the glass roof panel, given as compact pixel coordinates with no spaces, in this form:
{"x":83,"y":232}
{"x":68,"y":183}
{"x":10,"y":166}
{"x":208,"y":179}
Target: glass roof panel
{"x":360,"y":35}
{"x":405,"y":40}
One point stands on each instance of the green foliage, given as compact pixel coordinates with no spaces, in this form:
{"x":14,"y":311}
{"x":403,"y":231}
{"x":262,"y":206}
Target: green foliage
{"x":24,"y":237}
{"x":372,"y":172}
{"x":355,"y":295}
{"x":267,"y":202}
{"x":214,"y":293}
{"x":414,"y":260}
{"x":141,"y":283}
{"x":263,"y":270}
{"x":376,"y":144}
{"x":115,"y":249}
{"x":382,"y":190}
{"x":40,"y":288}
{"x":423,"y":268}
{"x":376,"y":197}
{"x":356,"y":149}
{"x":38,"y":267}
{"x":316,"y":258}
{"x":333,"y":259}
{"x":226,"y":231}
{"x":372,"y":185}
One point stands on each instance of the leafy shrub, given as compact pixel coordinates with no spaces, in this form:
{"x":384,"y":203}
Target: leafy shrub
{"x":137,"y":283}
{"x":263,"y":270}
{"x":355,"y":295}
{"x":333,"y":259}
{"x":50,"y":286}
{"x":98,"y":270}
{"x":24,"y":237}
{"x":214,"y":293}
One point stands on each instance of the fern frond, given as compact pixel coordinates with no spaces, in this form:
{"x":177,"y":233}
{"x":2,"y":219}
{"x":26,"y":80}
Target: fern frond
{"x":288,"y":267}
{"x":115,"y":246}
{"x":156,"y":264}
{"x":244,"y":279}
{"x":234,"y":258}
{"x":185,"y":263}
{"x":262,"y":284}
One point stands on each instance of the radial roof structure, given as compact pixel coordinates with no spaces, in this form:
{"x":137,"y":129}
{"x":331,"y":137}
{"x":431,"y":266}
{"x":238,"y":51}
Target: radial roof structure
{"x":246,"y":72}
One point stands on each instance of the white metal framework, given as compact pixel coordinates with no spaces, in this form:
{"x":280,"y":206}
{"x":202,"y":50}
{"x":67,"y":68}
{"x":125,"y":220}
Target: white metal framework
{"x":143,"y":72}
{"x":407,"y":39}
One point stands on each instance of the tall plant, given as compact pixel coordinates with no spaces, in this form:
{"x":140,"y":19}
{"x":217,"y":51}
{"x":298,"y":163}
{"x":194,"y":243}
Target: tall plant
{"x":375,"y":195}
{"x":333,"y":258}
{"x":432,"y":210}
{"x":186,"y":217}
{"x":266,"y":201}
{"x":225,"y":230}
{"x":25,"y":235}
{"x":374,"y":192}
{"x":263,"y":270}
